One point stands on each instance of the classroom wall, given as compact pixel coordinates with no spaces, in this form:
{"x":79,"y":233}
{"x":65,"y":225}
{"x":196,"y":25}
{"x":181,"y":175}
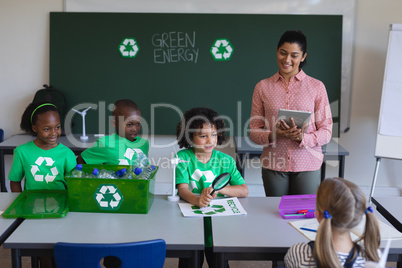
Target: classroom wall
{"x":24,"y":49}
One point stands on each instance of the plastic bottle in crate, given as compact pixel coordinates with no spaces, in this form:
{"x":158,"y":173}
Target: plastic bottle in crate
{"x":106,"y":174}
{"x":147,"y":172}
{"x":141,"y":160}
{"x":121,"y":173}
{"x":94,"y":174}
{"x":77,"y":172}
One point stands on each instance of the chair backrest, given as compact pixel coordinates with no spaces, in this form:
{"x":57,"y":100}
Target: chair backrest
{"x":147,"y":254}
{"x":1,"y":135}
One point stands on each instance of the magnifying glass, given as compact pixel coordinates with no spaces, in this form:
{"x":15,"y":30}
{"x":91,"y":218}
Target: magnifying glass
{"x":220,"y":182}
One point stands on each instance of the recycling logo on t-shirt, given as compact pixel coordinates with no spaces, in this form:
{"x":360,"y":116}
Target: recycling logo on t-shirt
{"x":198,"y":174}
{"x":43,"y":169}
{"x":108,"y":197}
{"x":129,"y":154}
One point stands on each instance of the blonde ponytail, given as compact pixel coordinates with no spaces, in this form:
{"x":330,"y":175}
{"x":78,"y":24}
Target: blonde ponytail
{"x":371,"y":236}
{"x":324,"y":252}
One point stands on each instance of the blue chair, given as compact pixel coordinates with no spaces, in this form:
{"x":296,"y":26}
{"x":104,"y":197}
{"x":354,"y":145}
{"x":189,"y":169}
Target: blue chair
{"x":147,"y":254}
{"x":1,"y":135}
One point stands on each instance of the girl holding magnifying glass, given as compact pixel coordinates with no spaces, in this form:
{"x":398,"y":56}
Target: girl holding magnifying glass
{"x":200,"y":131}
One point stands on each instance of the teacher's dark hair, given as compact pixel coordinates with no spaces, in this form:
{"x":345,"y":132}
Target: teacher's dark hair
{"x":295,"y":36}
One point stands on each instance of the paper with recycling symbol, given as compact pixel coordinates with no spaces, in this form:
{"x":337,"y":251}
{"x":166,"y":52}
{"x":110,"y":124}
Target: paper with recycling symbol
{"x":217,"y":207}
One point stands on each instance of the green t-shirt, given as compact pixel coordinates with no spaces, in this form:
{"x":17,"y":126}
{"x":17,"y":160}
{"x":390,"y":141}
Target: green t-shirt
{"x":115,"y":150}
{"x":43,"y":169}
{"x":199,"y":175}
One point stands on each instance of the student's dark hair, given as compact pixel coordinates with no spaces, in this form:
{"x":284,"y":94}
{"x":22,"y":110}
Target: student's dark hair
{"x":124,"y":104}
{"x":30,"y":115}
{"x":295,"y":37}
{"x":192,"y":122}
{"x":345,"y":204}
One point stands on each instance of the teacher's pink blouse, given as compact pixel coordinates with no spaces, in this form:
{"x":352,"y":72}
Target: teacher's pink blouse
{"x":303,"y":93}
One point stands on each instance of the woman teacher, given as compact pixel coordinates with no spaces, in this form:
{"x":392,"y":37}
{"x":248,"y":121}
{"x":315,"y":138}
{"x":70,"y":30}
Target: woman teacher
{"x":292,"y":156}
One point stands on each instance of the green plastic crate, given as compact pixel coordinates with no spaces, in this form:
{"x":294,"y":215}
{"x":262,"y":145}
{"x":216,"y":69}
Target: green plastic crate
{"x":39,"y":204}
{"x":110,"y":195}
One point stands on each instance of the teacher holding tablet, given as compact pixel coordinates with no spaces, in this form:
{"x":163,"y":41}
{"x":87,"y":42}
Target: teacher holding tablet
{"x":292,"y":156}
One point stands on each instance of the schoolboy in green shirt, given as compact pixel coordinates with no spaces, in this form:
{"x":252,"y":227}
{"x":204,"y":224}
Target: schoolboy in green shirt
{"x":119,"y":148}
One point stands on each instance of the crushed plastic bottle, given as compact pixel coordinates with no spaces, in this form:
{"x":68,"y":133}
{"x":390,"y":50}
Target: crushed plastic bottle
{"x":77,"y":172}
{"x":129,"y":175}
{"x":147,"y":172}
{"x":106,"y":174}
{"x":141,"y":160}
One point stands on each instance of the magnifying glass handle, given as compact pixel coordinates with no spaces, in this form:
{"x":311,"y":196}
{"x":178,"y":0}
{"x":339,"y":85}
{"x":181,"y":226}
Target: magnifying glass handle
{"x":213,"y":191}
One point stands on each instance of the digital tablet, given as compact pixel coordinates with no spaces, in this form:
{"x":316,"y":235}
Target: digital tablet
{"x":300,"y":117}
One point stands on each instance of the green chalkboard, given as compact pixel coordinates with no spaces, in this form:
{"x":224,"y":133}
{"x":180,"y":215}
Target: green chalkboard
{"x":169,"y":64}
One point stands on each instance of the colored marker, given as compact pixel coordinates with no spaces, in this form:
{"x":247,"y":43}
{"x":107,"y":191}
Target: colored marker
{"x":296,"y":214}
{"x":307,"y":229}
{"x":306,"y":210}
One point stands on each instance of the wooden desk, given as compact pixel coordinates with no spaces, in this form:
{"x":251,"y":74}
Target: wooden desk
{"x":7,"y":226}
{"x":184,"y":236}
{"x":248,"y":149}
{"x":263,"y":234}
{"x":390,"y":209}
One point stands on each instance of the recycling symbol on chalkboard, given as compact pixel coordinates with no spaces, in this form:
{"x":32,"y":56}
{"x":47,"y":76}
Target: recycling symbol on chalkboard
{"x":108,"y":197}
{"x":42,"y":164}
{"x":128,"y":48}
{"x":221,"y":50}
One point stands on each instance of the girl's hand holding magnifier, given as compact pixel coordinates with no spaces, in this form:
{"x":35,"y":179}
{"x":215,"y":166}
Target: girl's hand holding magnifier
{"x":205,"y":197}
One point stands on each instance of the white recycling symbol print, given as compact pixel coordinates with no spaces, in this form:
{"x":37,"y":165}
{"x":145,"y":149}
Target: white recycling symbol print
{"x":108,"y":197}
{"x":129,"y":154}
{"x":198,"y":174}
{"x":46,"y":163}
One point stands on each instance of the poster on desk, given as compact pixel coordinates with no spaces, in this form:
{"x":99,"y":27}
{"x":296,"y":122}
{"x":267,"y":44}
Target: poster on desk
{"x":217,"y":207}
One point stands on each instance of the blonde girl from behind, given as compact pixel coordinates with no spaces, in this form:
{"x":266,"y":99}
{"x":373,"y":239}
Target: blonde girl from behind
{"x":340,"y":206}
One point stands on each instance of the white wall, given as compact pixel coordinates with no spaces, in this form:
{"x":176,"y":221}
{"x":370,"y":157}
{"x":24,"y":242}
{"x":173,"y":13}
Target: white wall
{"x":372,"y":27}
{"x":24,"y":49}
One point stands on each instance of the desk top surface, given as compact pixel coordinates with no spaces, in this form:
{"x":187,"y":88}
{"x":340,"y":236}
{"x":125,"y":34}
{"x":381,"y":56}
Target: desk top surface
{"x":392,"y":204}
{"x":245,"y":145}
{"x":164,"y":221}
{"x":263,"y":229}
{"x":5,"y":201}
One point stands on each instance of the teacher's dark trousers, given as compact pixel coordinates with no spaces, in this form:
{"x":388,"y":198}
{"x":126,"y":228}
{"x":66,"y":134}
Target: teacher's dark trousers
{"x":277,"y":183}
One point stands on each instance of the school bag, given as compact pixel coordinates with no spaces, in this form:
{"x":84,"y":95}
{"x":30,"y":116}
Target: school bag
{"x":55,"y":96}
{"x":349,"y":260}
